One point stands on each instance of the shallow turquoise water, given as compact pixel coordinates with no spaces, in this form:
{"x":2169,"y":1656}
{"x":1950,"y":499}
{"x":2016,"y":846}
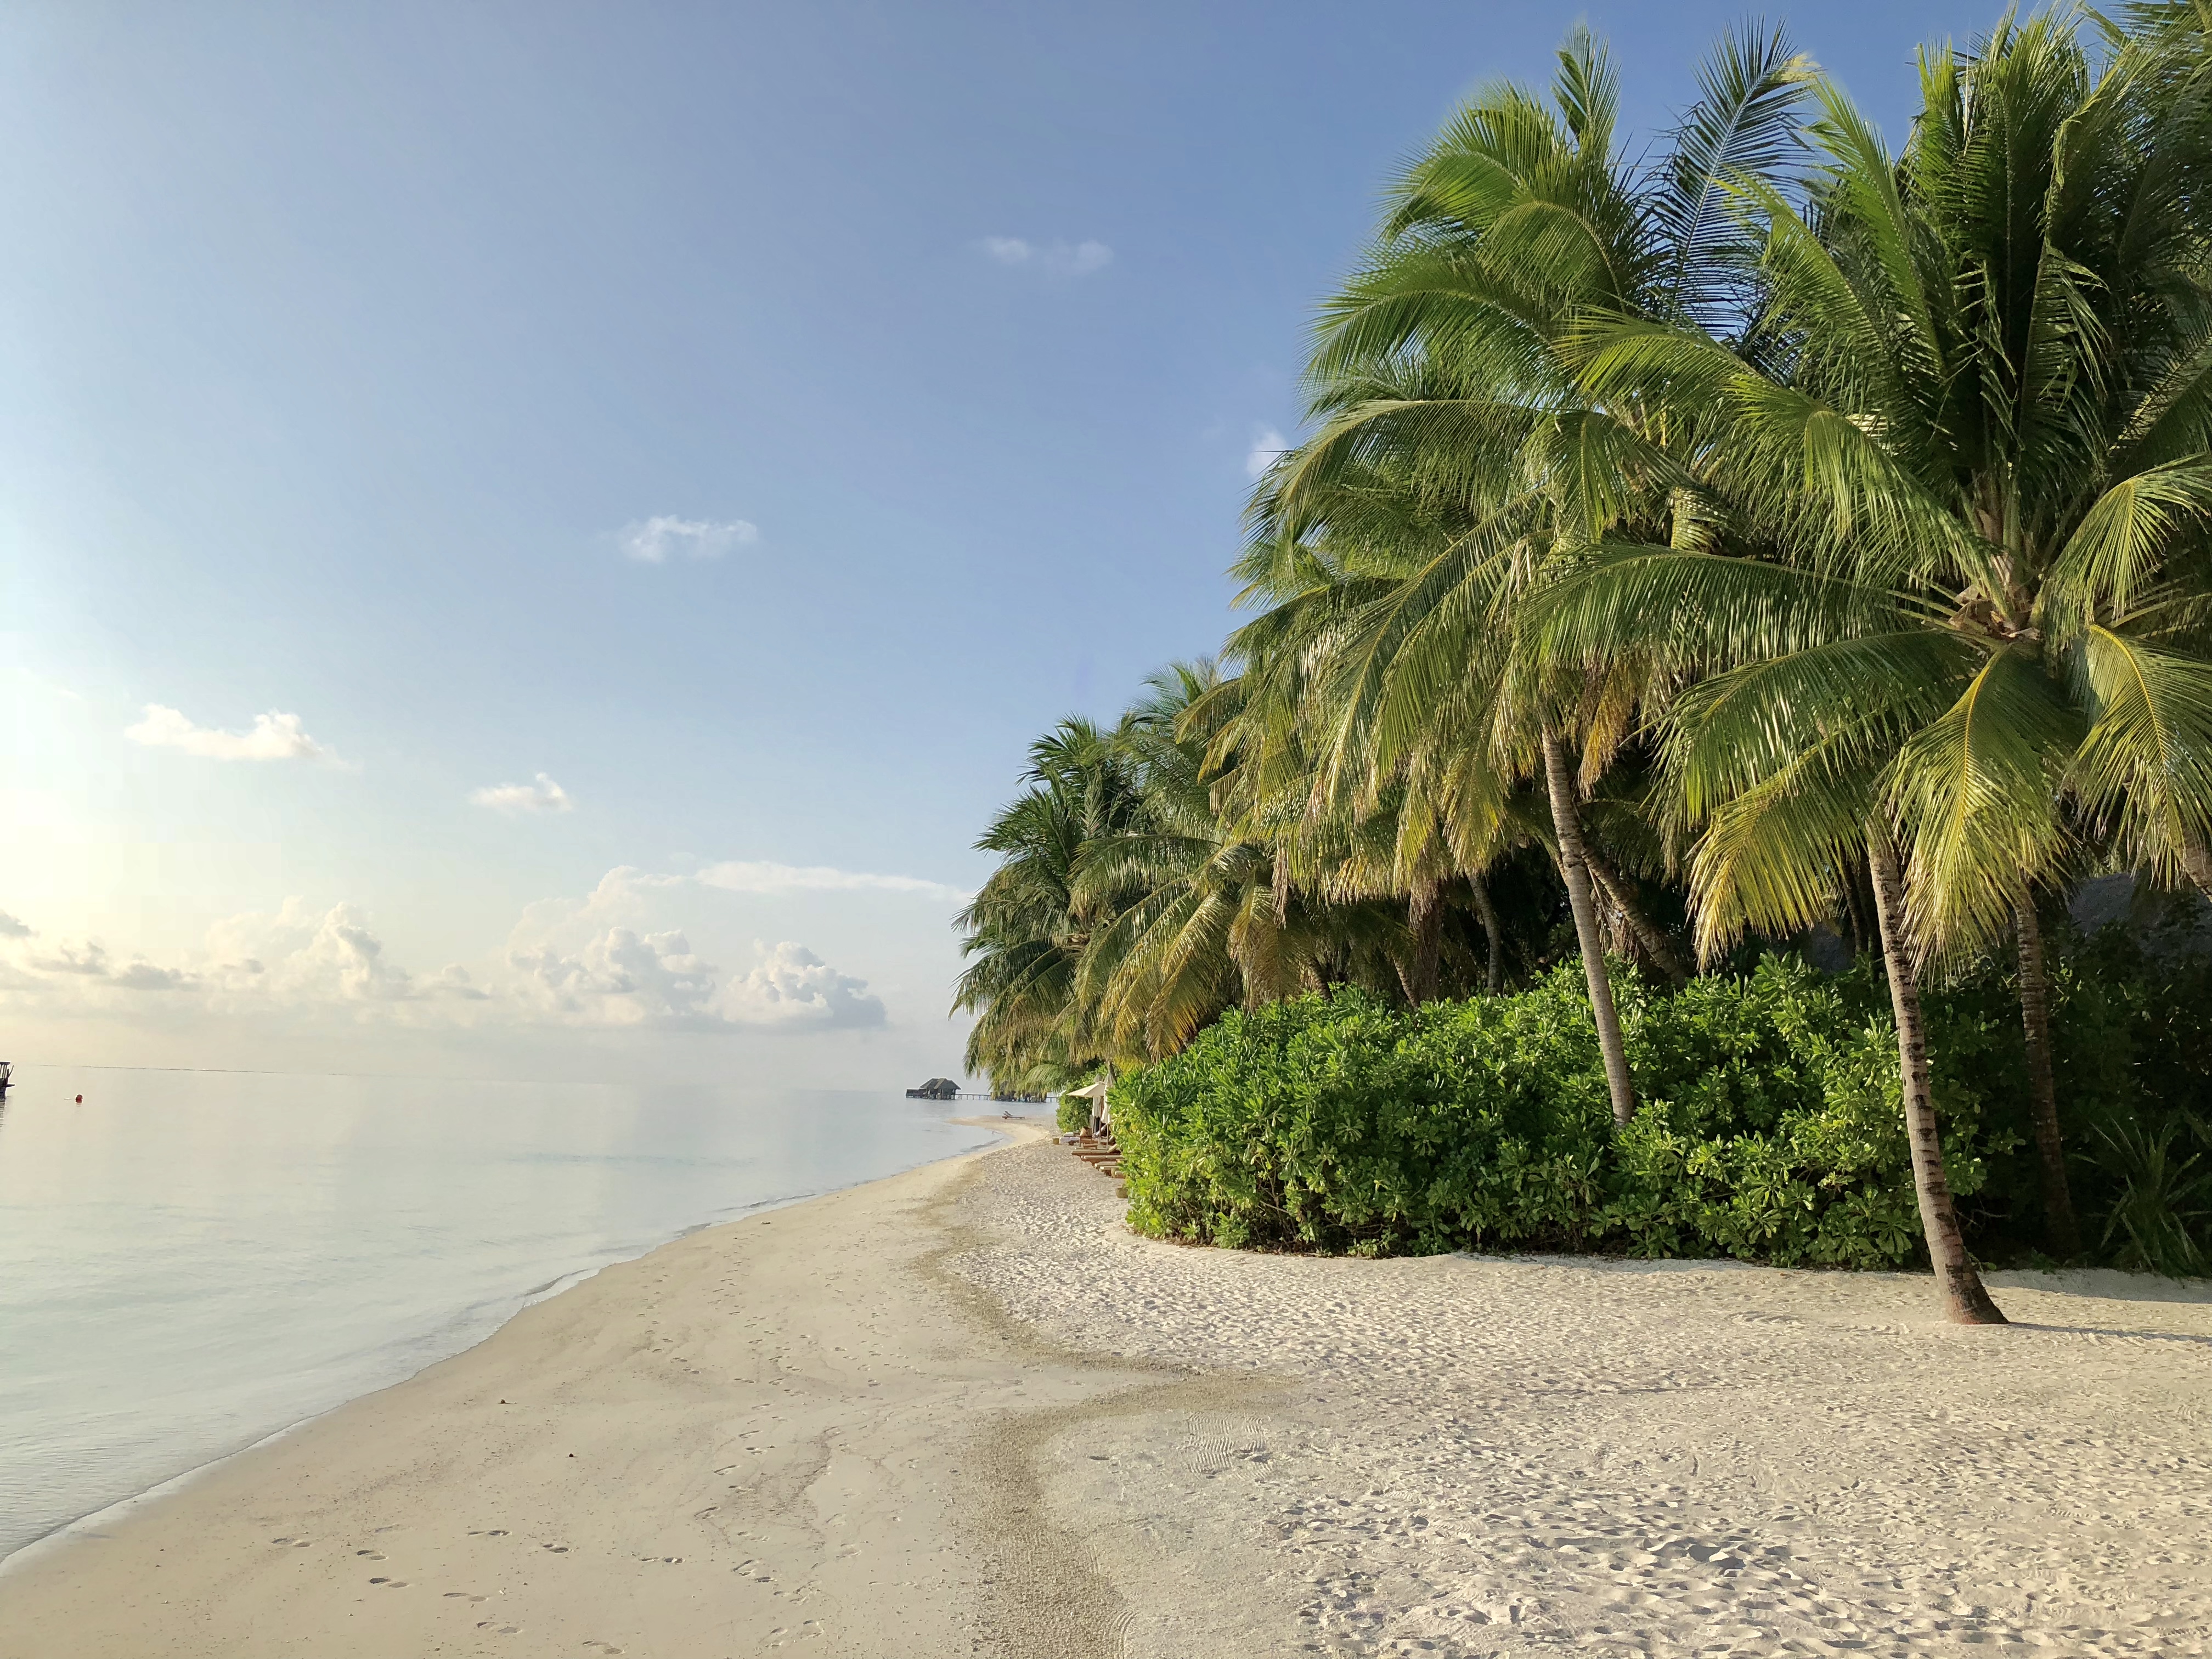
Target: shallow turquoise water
{"x":191,"y":1260}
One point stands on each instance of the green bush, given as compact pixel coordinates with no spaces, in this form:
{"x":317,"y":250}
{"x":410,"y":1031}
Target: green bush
{"x":1770,"y":1128}
{"x":1073,"y":1114}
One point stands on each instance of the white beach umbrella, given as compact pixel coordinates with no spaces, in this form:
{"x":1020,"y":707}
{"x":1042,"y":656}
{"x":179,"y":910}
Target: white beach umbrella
{"x":1096,"y":1094}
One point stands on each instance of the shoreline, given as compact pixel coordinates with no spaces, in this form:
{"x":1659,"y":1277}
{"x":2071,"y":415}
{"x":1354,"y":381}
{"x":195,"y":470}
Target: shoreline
{"x":410,"y":1518}
{"x":58,"y":1537}
{"x":964,"y":1410}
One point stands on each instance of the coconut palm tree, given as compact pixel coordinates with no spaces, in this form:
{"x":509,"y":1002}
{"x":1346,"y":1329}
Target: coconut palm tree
{"x":1026,"y":929}
{"x":1963,"y":589}
{"x":1278,"y":755}
{"x":1208,"y":908}
{"x":1440,"y":370}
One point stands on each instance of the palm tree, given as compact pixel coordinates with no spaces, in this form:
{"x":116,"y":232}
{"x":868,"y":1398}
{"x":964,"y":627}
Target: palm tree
{"x":1026,"y":929}
{"x":1277,"y":755}
{"x":1963,"y":590}
{"x":1440,"y":371}
{"x":1208,"y":909}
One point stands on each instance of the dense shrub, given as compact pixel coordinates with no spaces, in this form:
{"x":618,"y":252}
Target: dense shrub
{"x":1770,"y":1131}
{"x":1073,"y":1114}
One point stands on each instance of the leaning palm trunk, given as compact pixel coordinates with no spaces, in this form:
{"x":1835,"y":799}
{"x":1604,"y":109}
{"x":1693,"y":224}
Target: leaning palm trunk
{"x":1494,"y":977}
{"x":1648,"y":933}
{"x":2065,"y":1233}
{"x":2197,"y":864}
{"x":1965,"y":1300}
{"x":1427,"y":919}
{"x":1574,"y":869}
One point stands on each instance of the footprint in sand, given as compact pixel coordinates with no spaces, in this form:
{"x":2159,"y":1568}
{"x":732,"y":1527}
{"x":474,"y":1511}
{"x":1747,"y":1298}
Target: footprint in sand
{"x":395,"y":1584}
{"x":296,"y":1543}
{"x":373,"y":1555}
{"x":462,"y":1596}
{"x":495,"y":1532}
{"x":557,"y":1549}
{"x":603,"y":1647}
{"x":502,"y":1629}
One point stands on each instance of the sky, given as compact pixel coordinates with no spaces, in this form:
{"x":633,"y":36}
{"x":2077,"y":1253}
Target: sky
{"x":533,"y":538}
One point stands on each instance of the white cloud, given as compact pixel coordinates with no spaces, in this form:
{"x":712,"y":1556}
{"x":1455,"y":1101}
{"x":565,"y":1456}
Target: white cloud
{"x":543,"y":796}
{"x":622,"y":977}
{"x":89,"y":959}
{"x":453,"y":981}
{"x":1268,"y":446}
{"x":1061,"y":259}
{"x":793,"y":986}
{"x":655,"y":540}
{"x":145,"y":976}
{"x":11,"y":928}
{"x":626,"y":978}
{"x":302,"y":957}
{"x":591,"y":963}
{"x":275,"y":736}
{"x":87,"y":967}
{"x":745,"y":876}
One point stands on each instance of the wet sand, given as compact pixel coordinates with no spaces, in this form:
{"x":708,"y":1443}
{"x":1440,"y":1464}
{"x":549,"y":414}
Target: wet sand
{"x":965,"y":1411}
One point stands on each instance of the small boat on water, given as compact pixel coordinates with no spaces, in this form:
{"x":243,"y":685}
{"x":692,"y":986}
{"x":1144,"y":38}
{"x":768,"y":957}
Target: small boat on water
{"x":7,"y":1071}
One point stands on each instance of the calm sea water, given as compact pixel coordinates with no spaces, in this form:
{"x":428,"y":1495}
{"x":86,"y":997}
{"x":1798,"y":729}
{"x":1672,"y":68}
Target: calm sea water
{"x":189,"y":1261}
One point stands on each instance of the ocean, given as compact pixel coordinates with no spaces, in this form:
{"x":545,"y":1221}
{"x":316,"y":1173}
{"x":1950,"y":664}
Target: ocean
{"x":191,"y":1261}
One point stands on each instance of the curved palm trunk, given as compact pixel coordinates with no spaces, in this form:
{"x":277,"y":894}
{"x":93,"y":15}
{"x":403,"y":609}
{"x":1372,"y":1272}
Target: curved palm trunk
{"x":1965,"y":1300}
{"x":2197,"y":864}
{"x":1574,"y":869}
{"x":1494,"y":979}
{"x":2065,"y":1233}
{"x":1649,"y":933}
{"x":1427,"y":917}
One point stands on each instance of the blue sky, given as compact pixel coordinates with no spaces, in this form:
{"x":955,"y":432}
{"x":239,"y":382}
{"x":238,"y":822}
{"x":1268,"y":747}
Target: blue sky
{"x":349,"y":356}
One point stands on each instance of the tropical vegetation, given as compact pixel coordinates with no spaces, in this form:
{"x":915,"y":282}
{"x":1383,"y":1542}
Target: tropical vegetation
{"x":1781,"y":542}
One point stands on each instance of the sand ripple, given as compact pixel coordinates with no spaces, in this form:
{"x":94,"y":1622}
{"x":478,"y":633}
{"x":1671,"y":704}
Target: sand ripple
{"x":1476,"y":1456}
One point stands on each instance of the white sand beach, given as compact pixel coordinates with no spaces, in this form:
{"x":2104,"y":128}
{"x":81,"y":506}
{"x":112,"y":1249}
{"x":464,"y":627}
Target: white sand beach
{"x":965,"y":1411}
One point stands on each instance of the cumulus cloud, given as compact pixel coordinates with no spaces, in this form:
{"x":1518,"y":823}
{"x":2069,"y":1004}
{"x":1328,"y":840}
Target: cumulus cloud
{"x":87,"y":964}
{"x":1061,"y":259}
{"x":792,"y":986}
{"x":596,"y":961}
{"x":275,"y":736}
{"x":11,"y":928}
{"x":88,"y":959}
{"x":1267,"y":447}
{"x":747,"y":876}
{"x":453,"y":981}
{"x":145,"y":976}
{"x":301,"y":957}
{"x":657,"y":539}
{"x":623,"y":977}
{"x":543,"y":796}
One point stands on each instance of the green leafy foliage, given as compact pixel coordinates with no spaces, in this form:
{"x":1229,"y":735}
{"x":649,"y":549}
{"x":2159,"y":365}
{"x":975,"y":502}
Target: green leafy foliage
{"x":1770,"y":1130}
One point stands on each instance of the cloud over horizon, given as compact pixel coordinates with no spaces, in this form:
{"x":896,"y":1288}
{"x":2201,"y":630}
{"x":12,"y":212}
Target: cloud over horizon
{"x":1060,"y":258}
{"x":655,"y":540}
{"x":543,"y":796}
{"x":275,"y":736}
{"x":626,"y":978}
{"x":754,"y":876}
{"x":304,"y":964}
